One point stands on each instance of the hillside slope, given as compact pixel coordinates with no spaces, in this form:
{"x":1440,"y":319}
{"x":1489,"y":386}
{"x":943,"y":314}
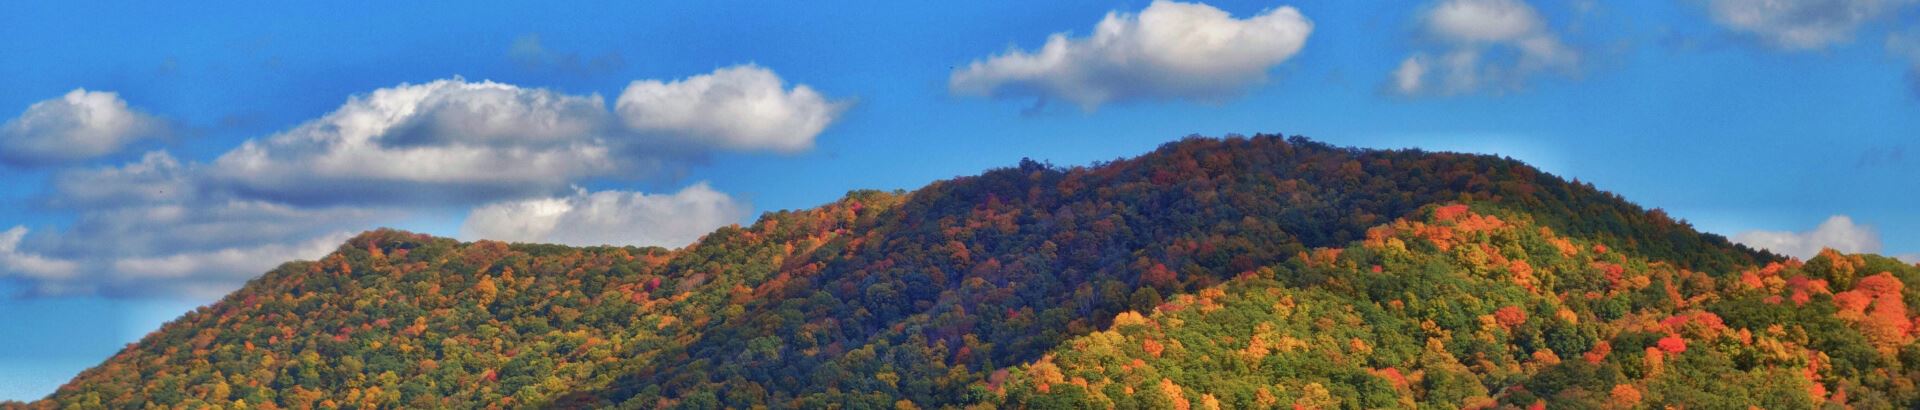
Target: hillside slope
{"x":874,"y":299}
{"x":400,"y":319}
{"x":1455,"y":309}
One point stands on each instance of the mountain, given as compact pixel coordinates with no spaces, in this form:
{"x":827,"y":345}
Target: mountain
{"x":1032,"y":285}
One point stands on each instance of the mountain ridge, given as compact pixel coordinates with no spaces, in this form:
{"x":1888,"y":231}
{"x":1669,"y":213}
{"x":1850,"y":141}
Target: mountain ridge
{"x":1182,"y":185}
{"x":941,"y":287}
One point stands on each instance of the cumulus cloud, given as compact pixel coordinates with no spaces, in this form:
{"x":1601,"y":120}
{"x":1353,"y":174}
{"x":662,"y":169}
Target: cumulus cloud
{"x":77,"y":126}
{"x":1168,"y":51}
{"x":742,"y":108}
{"x":608,"y":218}
{"x":1838,"y":232}
{"x":454,"y":141}
{"x":1801,"y":24}
{"x":1479,"y":45}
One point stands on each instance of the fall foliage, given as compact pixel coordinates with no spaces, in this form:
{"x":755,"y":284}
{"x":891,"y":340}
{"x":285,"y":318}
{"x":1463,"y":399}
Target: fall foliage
{"x":1438,"y":332}
{"x":1212,"y":273}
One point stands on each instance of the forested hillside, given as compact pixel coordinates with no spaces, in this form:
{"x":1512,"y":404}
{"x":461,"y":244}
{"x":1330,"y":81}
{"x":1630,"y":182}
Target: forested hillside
{"x":995,"y":289}
{"x":394,"y":319}
{"x":1456,"y":309}
{"x":978,"y":273}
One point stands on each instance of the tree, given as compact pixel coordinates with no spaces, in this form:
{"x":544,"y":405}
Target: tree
{"x":1144,"y":299}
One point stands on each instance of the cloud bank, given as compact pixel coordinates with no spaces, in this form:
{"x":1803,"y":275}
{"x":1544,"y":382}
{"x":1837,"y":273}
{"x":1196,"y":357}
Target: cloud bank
{"x":1168,"y":51}
{"x":1838,"y":232}
{"x":514,"y":155}
{"x":1481,"y":45}
{"x":77,"y":126}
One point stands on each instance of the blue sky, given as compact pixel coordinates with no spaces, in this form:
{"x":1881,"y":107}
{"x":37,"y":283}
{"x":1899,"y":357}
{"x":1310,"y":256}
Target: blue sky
{"x":212,"y":139}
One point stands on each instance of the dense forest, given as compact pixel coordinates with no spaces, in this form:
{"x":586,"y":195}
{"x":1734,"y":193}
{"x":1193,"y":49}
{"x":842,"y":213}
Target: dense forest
{"x":1236,"y":272}
{"x":1458,"y":309}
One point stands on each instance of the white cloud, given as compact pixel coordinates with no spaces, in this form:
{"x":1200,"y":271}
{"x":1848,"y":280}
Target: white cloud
{"x":77,"y":126}
{"x":1479,"y":45}
{"x":28,"y":264}
{"x":1168,"y":51}
{"x":742,"y":108}
{"x":1411,"y":75}
{"x":1801,"y":24}
{"x":1483,"y":21}
{"x":1838,"y":232}
{"x":608,"y":218}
